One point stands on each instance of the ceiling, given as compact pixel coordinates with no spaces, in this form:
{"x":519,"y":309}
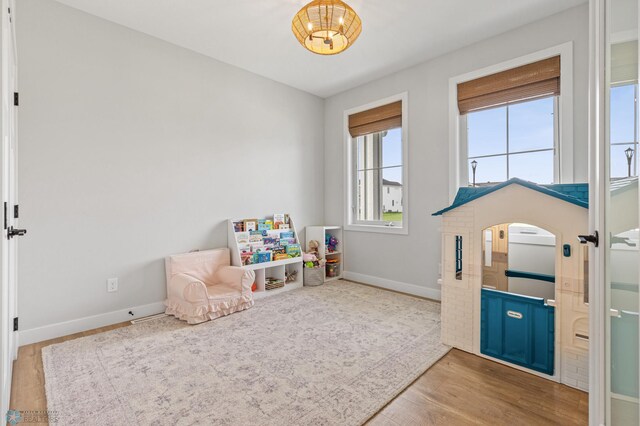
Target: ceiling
{"x":256,"y":34}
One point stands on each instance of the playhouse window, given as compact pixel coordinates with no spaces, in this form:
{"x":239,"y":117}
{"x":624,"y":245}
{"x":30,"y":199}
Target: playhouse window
{"x":513,"y":140}
{"x":458,"y":257}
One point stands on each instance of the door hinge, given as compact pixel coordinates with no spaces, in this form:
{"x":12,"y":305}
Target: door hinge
{"x":15,"y":324}
{"x":16,"y":98}
{"x":16,"y":211}
{"x":5,"y":215}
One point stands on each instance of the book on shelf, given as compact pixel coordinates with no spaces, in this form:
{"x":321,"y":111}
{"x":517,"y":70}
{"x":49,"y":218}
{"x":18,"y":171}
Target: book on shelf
{"x":255,"y":238}
{"x":293,"y":250}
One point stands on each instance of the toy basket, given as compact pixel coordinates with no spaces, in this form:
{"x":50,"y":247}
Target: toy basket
{"x":333,"y":270}
{"x":273,"y":283}
{"x":313,"y":276}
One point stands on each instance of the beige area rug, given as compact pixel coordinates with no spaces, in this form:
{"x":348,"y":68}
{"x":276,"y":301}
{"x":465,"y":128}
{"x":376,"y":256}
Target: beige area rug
{"x":327,"y":355}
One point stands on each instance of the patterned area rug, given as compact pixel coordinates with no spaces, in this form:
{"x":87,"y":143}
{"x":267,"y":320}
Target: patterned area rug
{"x":327,"y":355}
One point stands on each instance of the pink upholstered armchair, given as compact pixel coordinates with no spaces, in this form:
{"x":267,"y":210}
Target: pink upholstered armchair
{"x":201,"y":286}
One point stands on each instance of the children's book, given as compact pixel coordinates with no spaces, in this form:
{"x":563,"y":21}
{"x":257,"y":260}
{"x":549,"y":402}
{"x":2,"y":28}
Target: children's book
{"x":250,"y":225}
{"x":247,"y":257}
{"x":242,"y":237}
{"x":293,"y":250}
{"x":265,"y":226}
{"x":279,"y":250}
{"x":283,"y":226}
{"x":255,"y":238}
{"x":264,"y":256}
{"x":278,"y":219}
{"x":287,"y":234}
{"x":257,"y":246}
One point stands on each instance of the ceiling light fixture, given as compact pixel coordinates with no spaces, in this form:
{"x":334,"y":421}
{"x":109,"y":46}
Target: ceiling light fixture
{"x":326,"y":27}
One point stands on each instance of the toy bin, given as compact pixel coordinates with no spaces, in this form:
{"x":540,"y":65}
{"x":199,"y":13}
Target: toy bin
{"x":333,"y":270}
{"x":313,"y":276}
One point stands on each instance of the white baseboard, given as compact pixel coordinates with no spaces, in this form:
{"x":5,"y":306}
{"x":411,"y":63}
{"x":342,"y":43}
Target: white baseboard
{"x":416,"y":290}
{"x":39,"y":334}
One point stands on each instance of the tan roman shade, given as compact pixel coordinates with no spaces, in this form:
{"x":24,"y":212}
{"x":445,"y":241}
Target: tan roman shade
{"x":624,"y":62}
{"x":374,"y":120}
{"x":529,"y":81}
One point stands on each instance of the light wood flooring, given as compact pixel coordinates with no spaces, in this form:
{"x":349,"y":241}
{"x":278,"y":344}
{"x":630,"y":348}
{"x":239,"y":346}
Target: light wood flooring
{"x":459,"y":389}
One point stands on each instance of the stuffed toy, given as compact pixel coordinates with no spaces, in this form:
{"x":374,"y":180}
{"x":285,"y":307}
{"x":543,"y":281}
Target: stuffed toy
{"x":331,"y":242}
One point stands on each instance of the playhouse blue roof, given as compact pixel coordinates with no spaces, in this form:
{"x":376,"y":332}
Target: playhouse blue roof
{"x":574,"y":193}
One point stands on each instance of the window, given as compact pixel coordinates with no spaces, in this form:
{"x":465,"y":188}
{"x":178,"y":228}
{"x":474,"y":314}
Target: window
{"x":458,"y":257}
{"x":377,"y":168}
{"x":509,"y":124}
{"x":515,"y":140}
{"x":624,"y":130}
{"x":378,"y":165}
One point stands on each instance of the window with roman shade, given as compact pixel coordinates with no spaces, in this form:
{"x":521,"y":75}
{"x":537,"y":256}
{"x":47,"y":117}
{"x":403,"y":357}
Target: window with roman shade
{"x":510,"y":121}
{"x":374,"y":120}
{"x":527,"y":82}
{"x":378,"y":173}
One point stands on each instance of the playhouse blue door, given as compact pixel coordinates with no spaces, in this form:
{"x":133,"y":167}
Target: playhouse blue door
{"x":518,"y":329}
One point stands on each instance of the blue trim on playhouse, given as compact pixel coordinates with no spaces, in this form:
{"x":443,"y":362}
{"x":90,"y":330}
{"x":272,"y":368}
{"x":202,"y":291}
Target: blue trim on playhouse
{"x":530,"y":275}
{"x":574,"y":193}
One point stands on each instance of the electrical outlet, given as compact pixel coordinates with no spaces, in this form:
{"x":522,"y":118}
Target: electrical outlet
{"x":112,"y":285}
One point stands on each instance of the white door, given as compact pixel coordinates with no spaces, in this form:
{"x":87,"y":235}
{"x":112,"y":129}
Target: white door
{"x":615,"y":300}
{"x":8,"y":189}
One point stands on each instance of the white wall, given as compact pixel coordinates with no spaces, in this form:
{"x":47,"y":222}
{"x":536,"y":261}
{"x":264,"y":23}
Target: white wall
{"x":132,"y":148}
{"x":413,"y":259}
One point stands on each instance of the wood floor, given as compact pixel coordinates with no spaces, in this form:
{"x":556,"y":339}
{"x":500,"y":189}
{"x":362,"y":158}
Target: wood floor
{"x":459,"y":389}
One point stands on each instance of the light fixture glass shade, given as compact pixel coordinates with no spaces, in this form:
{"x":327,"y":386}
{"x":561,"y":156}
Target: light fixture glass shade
{"x":326,"y":27}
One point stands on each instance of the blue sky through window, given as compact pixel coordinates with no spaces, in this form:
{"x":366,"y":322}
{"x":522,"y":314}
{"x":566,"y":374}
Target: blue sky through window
{"x":623,"y":129}
{"x":392,"y":155}
{"x":500,"y":140}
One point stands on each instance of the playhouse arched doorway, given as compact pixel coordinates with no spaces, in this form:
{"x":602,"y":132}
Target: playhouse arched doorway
{"x":518,"y":295}
{"x":519,"y":258}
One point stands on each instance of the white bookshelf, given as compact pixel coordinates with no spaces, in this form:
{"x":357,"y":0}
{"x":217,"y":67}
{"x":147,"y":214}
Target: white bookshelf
{"x":276,"y":269}
{"x":318,"y":233}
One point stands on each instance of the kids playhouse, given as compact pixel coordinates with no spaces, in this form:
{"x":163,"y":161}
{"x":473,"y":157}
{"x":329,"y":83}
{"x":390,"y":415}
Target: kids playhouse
{"x":515,"y":277}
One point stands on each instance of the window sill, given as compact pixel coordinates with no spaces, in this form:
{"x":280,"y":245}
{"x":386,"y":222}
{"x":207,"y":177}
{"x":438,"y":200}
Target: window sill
{"x":379,"y":229}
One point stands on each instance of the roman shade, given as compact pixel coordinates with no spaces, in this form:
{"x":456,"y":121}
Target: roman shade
{"x":624,"y":62}
{"x":530,"y":81}
{"x":374,"y":120}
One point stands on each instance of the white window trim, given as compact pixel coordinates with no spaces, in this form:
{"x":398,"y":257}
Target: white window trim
{"x":457,"y":149}
{"x":350,"y":224}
